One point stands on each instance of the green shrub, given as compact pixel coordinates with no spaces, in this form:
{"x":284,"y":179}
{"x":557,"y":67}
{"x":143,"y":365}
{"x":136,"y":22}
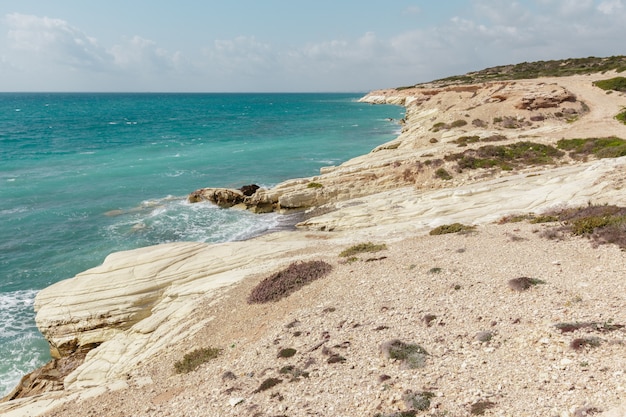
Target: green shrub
{"x":362,"y":248}
{"x":621,"y":116}
{"x":314,"y":185}
{"x":286,"y":353}
{"x":441,"y":173}
{"x":458,"y":123}
{"x":287,"y":281}
{"x":464,"y":140}
{"x":196,"y":358}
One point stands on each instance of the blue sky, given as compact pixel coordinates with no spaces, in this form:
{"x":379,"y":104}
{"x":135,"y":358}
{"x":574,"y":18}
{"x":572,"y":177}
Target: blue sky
{"x":288,"y":45}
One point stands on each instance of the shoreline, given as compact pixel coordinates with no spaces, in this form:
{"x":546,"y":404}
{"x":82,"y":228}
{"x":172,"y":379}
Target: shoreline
{"x":383,"y":211}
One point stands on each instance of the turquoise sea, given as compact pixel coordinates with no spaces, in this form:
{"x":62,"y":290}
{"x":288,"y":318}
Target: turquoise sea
{"x":84,"y":175}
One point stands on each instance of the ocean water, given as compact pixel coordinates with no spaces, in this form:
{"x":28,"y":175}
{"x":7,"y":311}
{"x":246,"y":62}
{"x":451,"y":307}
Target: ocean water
{"x":84,"y":175}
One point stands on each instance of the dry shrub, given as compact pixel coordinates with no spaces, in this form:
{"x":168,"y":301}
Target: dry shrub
{"x":451,"y":228}
{"x":196,"y":358}
{"x":362,"y":248}
{"x":602,"y":224}
{"x":479,"y":408}
{"x":287,"y":281}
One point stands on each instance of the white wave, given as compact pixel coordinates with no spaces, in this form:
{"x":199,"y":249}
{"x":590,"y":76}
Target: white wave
{"x":15,"y":306}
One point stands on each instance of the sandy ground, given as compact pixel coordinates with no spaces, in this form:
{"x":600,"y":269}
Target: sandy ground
{"x":527,"y":368}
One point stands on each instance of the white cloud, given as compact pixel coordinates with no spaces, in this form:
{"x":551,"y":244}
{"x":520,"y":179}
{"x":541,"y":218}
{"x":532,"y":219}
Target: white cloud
{"x":54,"y":39}
{"x":611,"y":7}
{"x":139,"y":54}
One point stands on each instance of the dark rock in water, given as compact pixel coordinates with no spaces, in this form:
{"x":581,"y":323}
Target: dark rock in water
{"x":223,"y":197}
{"x":248,"y":190}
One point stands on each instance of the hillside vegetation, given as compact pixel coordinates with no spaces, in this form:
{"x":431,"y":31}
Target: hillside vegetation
{"x":530,"y":70}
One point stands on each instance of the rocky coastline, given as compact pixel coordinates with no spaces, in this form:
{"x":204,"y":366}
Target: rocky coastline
{"x":108,"y":325}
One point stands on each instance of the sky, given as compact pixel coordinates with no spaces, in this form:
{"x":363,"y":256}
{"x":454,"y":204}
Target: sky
{"x":288,"y":45}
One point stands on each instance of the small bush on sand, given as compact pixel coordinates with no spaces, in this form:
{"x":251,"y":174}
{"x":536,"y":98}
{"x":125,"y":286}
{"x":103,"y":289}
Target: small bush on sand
{"x":362,"y":248}
{"x":294,"y":372}
{"x":442,"y":174}
{"x":602,"y":327}
{"x":314,"y":185}
{"x":407,"y":413}
{"x":287,"y":281}
{"x":451,"y":228}
{"x":582,"y":342}
{"x":267,"y":384}
{"x":524,"y":283}
{"x":446,"y":126}
{"x":419,"y":401}
{"x":286,"y":353}
{"x":411,"y":355}
{"x":621,"y":116}
{"x":479,"y":408}
{"x":196,"y":358}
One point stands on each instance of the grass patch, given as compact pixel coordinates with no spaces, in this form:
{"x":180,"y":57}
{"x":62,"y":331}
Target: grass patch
{"x":194,"y":359}
{"x":314,"y":185}
{"x":612,"y":84}
{"x":287,"y":281}
{"x":506,"y":157}
{"x":362,"y":248}
{"x":451,"y":228}
{"x":611,"y":147}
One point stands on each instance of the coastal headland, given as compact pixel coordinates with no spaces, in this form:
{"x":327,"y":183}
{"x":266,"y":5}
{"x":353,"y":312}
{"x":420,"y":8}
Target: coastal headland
{"x":511,"y":315}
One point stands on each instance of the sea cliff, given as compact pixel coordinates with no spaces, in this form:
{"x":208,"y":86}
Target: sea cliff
{"x":108,"y":326}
